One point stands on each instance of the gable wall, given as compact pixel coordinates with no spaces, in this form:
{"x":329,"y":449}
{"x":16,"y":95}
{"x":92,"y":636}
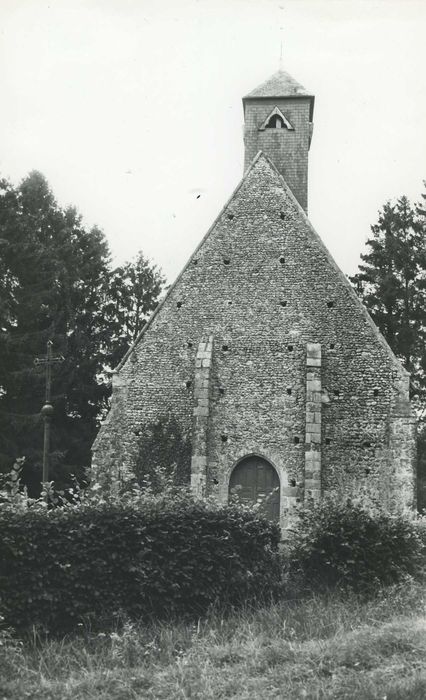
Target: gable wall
{"x":239,"y":305}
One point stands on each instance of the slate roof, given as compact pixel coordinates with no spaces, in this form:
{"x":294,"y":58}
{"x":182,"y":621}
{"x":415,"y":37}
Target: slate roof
{"x":280,"y":84}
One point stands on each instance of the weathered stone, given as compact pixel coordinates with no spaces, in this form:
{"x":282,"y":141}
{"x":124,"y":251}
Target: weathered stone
{"x":313,"y":362}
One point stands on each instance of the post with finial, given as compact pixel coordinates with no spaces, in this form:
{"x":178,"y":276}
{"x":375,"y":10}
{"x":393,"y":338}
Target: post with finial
{"x":47,"y":409}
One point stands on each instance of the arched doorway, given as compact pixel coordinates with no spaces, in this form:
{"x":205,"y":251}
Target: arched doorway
{"x":254,"y":479}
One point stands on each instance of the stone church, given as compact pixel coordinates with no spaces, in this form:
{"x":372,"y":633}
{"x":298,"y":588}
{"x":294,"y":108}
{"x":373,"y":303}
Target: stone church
{"x":262,"y":350}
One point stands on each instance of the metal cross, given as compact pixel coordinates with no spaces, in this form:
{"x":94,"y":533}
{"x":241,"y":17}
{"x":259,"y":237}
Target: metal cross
{"x":47,"y":410}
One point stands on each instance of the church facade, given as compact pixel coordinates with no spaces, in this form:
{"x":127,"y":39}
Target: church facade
{"x":262,"y":350}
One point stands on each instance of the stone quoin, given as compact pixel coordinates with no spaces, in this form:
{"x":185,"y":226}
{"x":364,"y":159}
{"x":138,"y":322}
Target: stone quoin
{"x":262,"y":350}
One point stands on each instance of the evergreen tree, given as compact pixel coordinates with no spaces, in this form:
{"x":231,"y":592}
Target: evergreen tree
{"x":56,"y":284}
{"x":392,"y":284}
{"x":57,"y":274}
{"x":135,"y":288}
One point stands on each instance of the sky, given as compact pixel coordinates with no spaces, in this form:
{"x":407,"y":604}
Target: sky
{"x":132,"y":110}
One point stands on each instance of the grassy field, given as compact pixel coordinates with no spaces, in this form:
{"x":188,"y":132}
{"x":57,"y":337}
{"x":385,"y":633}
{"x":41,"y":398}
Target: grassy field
{"x":323,"y":647}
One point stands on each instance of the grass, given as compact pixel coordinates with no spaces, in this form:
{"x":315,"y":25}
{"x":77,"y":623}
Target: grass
{"x":331,"y":646}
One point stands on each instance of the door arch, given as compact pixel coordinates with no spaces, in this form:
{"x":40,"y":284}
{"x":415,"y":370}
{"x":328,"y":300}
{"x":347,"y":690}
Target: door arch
{"x":254,"y":478}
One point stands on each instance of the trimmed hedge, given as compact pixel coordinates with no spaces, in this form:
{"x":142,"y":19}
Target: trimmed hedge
{"x":65,"y":565}
{"x":348,"y":545}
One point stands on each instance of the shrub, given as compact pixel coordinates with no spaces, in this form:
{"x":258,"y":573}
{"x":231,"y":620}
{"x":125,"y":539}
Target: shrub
{"x":153,"y":557}
{"x":163,"y":444}
{"x":348,"y":545}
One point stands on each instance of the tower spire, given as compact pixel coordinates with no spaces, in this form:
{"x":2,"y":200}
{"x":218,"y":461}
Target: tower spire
{"x":281,"y":36}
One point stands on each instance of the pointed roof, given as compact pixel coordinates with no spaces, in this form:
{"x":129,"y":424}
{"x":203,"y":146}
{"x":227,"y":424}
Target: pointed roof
{"x":280,"y":84}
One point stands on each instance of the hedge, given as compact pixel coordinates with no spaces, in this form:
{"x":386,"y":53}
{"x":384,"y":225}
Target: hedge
{"x":65,"y":565}
{"x":338,"y":543}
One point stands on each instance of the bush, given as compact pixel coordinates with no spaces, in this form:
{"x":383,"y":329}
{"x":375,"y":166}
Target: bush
{"x":164,"y":445}
{"x":348,"y":545}
{"x":157,"y":557}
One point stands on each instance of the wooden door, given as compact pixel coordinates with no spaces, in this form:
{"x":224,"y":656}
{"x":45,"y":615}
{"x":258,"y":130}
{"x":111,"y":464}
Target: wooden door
{"x":255,"y":479}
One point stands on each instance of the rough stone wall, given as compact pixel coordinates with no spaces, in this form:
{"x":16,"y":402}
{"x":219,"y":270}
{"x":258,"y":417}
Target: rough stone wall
{"x":264,"y":286}
{"x":287,"y":149}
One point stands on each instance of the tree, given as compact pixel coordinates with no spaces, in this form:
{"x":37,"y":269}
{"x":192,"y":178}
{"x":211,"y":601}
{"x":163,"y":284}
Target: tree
{"x":56,"y":284}
{"x":135,"y":288}
{"x":392,"y":284}
{"x":56,"y":276}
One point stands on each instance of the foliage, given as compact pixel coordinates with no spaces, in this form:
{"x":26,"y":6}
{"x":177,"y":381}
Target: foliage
{"x":134,"y":291}
{"x":348,"y":545}
{"x":56,"y":272}
{"x":392,"y":284}
{"x":141,"y":555}
{"x":56,"y":283}
{"x":163,"y":444}
{"x":421,"y":467}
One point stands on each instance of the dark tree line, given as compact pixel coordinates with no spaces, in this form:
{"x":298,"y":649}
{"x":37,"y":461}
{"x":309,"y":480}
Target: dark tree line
{"x":57,"y":283}
{"x":391,"y":282}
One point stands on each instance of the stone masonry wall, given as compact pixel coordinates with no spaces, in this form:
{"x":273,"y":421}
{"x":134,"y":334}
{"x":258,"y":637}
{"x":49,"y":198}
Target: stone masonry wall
{"x":262,"y":283}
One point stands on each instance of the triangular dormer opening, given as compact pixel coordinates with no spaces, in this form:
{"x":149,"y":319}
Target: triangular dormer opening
{"x":276,"y":120}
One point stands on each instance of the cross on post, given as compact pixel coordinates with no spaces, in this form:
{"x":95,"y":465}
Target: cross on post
{"x":47,"y":410}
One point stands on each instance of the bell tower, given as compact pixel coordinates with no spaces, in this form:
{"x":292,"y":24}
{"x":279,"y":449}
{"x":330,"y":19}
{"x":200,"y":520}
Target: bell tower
{"x":278,"y":121}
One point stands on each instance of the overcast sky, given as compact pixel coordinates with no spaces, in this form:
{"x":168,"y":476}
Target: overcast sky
{"x":132,"y":108}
